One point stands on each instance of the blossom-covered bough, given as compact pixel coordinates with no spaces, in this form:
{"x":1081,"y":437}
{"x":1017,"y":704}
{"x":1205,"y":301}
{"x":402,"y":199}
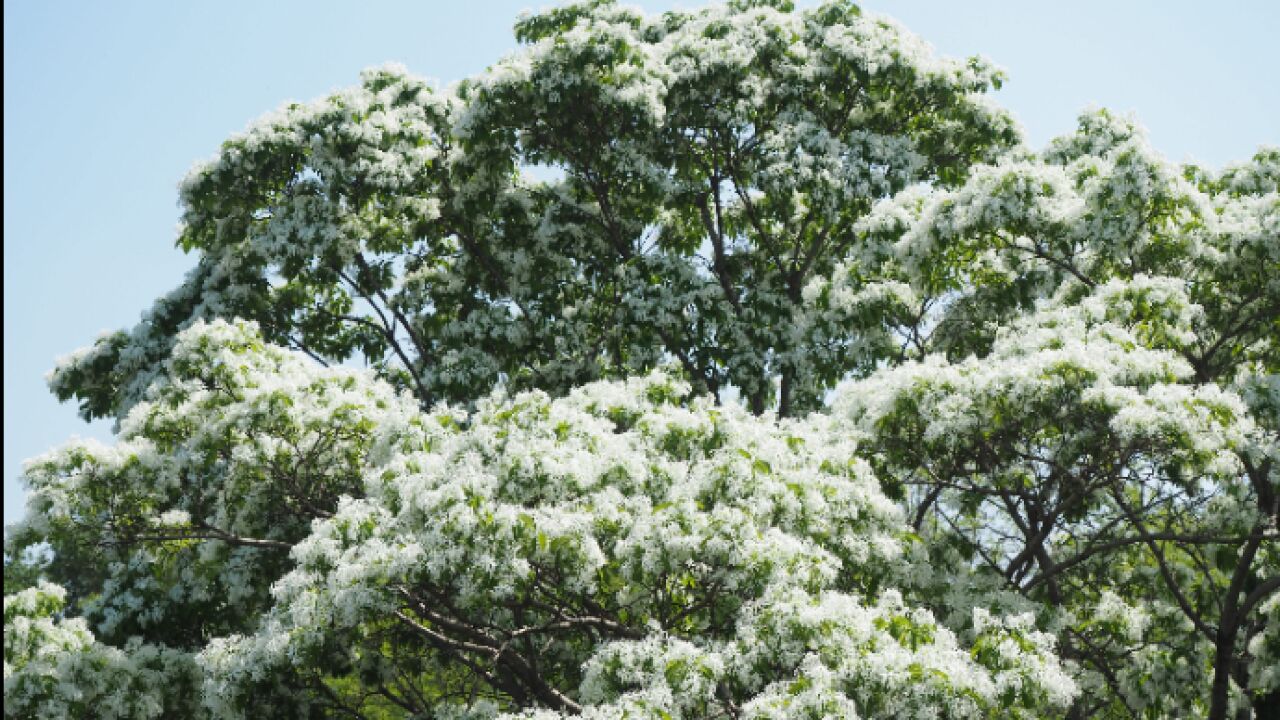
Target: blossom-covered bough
{"x":1090,"y":411}
{"x":315,"y":544}
{"x":727,"y":363}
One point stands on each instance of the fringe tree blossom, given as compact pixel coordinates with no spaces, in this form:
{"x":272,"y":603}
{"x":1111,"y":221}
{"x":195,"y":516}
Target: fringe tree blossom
{"x":626,"y":549}
{"x":1084,"y":402}
{"x":54,"y":668}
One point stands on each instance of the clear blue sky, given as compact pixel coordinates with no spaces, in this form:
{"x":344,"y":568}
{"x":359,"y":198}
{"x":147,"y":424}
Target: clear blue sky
{"x":106,"y":105}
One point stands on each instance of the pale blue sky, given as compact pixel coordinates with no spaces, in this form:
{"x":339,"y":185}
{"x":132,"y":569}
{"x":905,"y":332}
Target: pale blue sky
{"x":106,"y":105}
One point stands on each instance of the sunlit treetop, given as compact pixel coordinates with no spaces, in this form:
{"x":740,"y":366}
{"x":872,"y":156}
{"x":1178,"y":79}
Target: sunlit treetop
{"x":623,"y":190}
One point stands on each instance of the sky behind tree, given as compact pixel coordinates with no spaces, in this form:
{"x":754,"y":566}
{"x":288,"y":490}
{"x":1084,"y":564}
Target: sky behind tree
{"x":107,"y":106}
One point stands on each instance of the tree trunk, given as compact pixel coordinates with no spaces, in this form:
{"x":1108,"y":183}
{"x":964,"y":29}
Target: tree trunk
{"x":1221,"y":674}
{"x":784,"y":393}
{"x":1267,"y":706}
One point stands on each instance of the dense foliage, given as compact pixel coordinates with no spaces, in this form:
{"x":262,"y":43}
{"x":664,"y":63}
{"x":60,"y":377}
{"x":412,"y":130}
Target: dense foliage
{"x":738,"y":363}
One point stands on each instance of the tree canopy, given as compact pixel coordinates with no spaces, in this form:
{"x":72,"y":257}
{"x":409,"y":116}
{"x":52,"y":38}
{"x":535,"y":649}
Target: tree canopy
{"x":740,"y":362}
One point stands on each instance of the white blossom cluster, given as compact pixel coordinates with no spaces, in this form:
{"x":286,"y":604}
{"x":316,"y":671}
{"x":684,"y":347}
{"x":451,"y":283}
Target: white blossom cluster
{"x":674,"y":556}
{"x":53,"y":667}
{"x":239,"y":443}
{"x":1087,"y":361}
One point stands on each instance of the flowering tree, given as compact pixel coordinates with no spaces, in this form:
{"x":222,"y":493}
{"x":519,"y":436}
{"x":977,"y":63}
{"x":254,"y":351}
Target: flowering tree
{"x":315,"y":544}
{"x":710,"y":165}
{"x":597,"y":462}
{"x":1113,"y":452}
